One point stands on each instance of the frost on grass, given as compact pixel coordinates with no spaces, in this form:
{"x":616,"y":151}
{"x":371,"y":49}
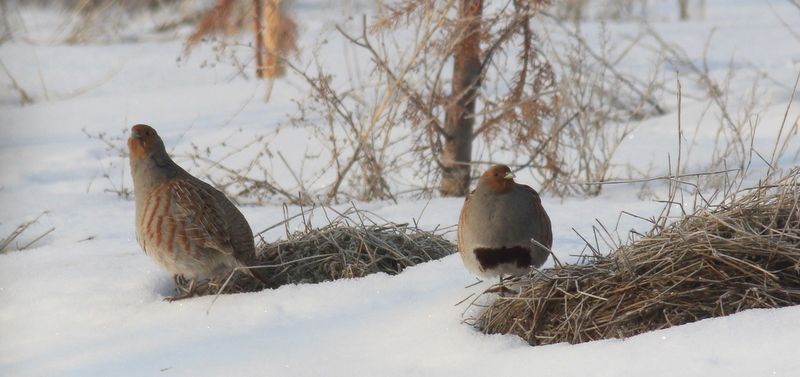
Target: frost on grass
{"x":351,"y":245}
{"x":741,"y":254}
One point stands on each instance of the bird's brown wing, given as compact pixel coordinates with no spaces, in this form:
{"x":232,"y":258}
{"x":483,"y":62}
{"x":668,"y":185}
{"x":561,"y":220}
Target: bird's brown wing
{"x":204,"y":218}
{"x":228,"y":230}
{"x":544,"y":231}
{"x":462,"y":218}
{"x":241,"y":235}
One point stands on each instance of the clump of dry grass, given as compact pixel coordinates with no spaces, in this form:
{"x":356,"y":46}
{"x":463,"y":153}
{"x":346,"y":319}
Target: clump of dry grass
{"x":743,"y":253}
{"x":350,"y":245}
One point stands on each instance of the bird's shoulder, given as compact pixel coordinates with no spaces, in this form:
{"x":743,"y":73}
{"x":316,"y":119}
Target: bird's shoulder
{"x":468,"y":200}
{"x":529,"y":192}
{"x":463,"y":217}
{"x":469,"y":195}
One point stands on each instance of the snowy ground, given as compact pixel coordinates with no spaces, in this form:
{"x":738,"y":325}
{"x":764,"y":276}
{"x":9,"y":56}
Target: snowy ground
{"x":85,"y":301}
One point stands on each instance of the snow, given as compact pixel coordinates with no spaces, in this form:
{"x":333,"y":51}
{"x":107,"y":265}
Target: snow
{"x":85,"y":300}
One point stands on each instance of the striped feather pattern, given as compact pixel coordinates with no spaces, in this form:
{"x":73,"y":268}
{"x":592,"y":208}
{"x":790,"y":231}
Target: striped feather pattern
{"x":184,"y":224}
{"x":182,"y":228}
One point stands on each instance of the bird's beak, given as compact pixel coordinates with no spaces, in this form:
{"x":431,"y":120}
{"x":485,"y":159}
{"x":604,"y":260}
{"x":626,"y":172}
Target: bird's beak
{"x":510,"y":175}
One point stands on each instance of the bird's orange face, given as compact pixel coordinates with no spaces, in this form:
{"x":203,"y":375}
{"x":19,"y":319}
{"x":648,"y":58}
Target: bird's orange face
{"x":142,"y":140}
{"x":499,"y":178}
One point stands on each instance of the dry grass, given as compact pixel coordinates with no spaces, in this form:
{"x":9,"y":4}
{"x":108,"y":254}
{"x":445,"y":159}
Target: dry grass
{"x":8,"y":243}
{"x":351,"y":245}
{"x":719,"y":260}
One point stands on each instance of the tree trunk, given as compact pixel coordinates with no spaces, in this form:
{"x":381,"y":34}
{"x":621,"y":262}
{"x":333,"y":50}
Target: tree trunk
{"x":460,"y":116}
{"x":683,"y":9}
{"x":258,"y":25}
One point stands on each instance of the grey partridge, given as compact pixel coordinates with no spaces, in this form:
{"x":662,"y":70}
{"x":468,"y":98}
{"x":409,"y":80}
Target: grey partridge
{"x":503,"y":226}
{"x":188,"y":227}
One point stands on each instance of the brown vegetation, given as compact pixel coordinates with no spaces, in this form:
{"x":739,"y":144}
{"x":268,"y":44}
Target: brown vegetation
{"x":351,"y":245}
{"x":275,"y":33}
{"x":743,"y":253}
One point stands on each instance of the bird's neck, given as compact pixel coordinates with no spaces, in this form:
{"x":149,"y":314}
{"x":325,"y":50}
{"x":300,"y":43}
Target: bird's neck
{"x":495,"y":187}
{"x":150,"y":171}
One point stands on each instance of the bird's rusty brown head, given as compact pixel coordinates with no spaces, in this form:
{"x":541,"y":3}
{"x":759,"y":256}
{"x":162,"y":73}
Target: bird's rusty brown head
{"x":142,"y":141}
{"x":498,"y":178}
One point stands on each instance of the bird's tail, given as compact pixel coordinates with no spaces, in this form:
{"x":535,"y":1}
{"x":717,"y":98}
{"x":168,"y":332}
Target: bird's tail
{"x":258,"y":272}
{"x":252,"y":269}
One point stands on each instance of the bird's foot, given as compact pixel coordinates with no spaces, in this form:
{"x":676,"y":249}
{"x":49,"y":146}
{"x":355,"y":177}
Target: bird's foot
{"x":501,"y":290}
{"x":182,"y":291}
{"x":179,"y":296}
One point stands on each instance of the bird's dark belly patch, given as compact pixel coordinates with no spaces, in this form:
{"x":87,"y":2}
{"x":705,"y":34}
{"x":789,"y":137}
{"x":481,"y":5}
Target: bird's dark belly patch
{"x":493,"y":257}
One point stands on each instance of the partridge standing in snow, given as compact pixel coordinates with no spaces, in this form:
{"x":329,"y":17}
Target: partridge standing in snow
{"x":498,"y":225}
{"x":187,"y":226}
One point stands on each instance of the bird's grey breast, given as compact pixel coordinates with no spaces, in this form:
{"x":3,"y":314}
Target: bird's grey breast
{"x":502,"y":219}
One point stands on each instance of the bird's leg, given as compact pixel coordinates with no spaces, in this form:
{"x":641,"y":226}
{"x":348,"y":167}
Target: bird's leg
{"x":501,"y":288}
{"x":181,"y":292}
{"x":179,"y":281}
{"x":192,"y":286}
